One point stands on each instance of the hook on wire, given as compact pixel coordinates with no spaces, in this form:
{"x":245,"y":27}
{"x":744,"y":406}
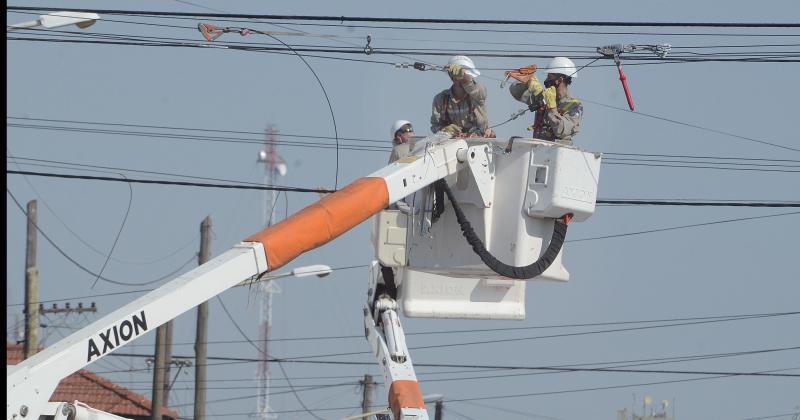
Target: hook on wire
{"x":368,"y":48}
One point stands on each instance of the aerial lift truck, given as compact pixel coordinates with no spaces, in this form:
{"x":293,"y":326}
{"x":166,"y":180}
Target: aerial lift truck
{"x":458,"y":227}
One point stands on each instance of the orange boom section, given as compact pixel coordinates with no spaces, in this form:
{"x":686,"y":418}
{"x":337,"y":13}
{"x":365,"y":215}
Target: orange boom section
{"x":322,"y":221}
{"x":405,"y":394}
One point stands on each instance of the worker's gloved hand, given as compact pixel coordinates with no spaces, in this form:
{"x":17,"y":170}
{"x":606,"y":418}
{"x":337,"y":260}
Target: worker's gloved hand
{"x":451,"y":129}
{"x":403,"y":207}
{"x":455,"y":71}
{"x":534,"y":87}
{"x":550,"y":97}
{"x":489,"y":134}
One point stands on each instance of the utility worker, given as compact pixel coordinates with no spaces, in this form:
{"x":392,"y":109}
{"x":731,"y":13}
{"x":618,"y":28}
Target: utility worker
{"x":461,"y":109}
{"x":562,"y":113}
{"x":402,"y":131}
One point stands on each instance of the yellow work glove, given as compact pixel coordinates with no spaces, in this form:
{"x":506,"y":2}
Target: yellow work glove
{"x":451,"y":129}
{"x":550,"y":97}
{"x":455,"y":71}
{"x":534,"y":87}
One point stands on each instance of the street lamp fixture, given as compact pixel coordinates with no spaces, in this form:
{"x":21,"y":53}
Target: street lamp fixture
{"x":318,"y":270}
{"x":57,"y":20}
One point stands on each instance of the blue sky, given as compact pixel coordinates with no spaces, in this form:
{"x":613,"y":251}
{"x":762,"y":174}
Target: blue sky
{"x":736,"y":268}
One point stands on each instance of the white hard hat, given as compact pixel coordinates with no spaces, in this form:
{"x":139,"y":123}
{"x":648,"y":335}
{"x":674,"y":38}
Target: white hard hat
{"x":398,"y":125}
{"x":466,"y":63}
{"x":562,"y":65}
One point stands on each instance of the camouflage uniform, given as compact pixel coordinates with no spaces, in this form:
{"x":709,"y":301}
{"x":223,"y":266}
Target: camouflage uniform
{"x":399,"y":151}
{"x":559,"y":126}
{"x":468,"y":113}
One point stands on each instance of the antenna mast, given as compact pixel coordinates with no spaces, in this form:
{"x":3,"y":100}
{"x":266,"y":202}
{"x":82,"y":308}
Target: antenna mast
{"x":274,"y":167}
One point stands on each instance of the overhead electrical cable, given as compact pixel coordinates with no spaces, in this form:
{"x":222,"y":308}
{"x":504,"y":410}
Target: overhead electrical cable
{"x":267,"y":357}
{"x":716,"y":222}
{"x":83,"y":268}
{"x":321,"y":190}
{"x":760,"y":58}
{"x":451,"y":29}
{"x":343,"y":19}
{"x":161,"y":182}
{"x":503,"y":396}
{"x":518,"y":339}
{"x":536,"y":327}
{"x":563,"y":368}
{"x":210,"y":130}
{"x":146,"y":290}
{"x":83,"y":241}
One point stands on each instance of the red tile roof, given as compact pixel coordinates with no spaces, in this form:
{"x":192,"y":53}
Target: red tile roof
{"x":96,"y":391}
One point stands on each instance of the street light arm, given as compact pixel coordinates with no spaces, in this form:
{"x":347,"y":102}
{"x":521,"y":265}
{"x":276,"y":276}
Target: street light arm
{"x":57,"y":20}
{"x":23,"y":25}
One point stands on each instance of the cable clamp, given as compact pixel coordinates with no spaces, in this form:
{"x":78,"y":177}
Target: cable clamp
{"x":565,"y":219}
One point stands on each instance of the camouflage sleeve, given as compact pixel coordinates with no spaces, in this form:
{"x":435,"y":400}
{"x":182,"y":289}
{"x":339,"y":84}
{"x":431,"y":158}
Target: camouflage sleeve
{"x":436,"y":114}
{"x":476,"y":92}
{"x":568,"y":124}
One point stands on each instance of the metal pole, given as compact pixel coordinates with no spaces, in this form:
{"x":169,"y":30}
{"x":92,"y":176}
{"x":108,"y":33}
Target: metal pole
{"x":158,"y":374}
{"x":201,"y":337}
{"x":31,"y":286}
{"x":167,"y":360}
{"x":439,"y":410}
{"x":366,"y":402}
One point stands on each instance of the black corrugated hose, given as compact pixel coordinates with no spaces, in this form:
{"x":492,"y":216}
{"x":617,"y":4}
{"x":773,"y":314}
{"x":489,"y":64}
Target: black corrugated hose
{"x":520,"y":273}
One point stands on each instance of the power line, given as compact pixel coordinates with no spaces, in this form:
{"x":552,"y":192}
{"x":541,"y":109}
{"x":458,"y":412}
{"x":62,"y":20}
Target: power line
{"x":642,"y":232}
{"x":267,"y":356}
{"x":163,"y":182}
{"x":564,"y":368}
{"x":711,"y":130}
{"x":774,"y":416}
{"x":83,"y":241}
{"x":503,"y":396}
{"x":536,"y":327}
{"x":307,"y":358}
{"x":321,"y":190}
{"x":343,"y":19}
{"x":697,"y":203}
{"x":763,"y":58}
{"x":83,"y":268}
{"x":538,"y":337}
{"x":621,"y":156}
{"x":449,"y":29}
{"x":147,"y":290}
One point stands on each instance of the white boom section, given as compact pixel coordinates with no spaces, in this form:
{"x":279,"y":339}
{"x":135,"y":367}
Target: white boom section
{"x":31,"y":383}
{"x":388,"y":342}
{"x":434,"y":158}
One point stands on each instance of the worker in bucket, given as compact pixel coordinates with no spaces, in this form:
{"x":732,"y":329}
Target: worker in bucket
{"x":402,"y":132}
{"x":461,"y":109}
{"x":561,"y":118}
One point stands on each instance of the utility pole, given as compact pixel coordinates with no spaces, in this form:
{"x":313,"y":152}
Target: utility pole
{"x":366,"y":401}
{"x":31,"y":286}
{"x":158,"y":374}
{"x":201,"y":337}
{"x":439,"y":410}
{"x":167,"y":359}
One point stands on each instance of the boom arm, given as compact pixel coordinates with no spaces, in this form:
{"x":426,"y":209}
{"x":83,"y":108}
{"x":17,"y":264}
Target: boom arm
{"x":30,"y":384}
